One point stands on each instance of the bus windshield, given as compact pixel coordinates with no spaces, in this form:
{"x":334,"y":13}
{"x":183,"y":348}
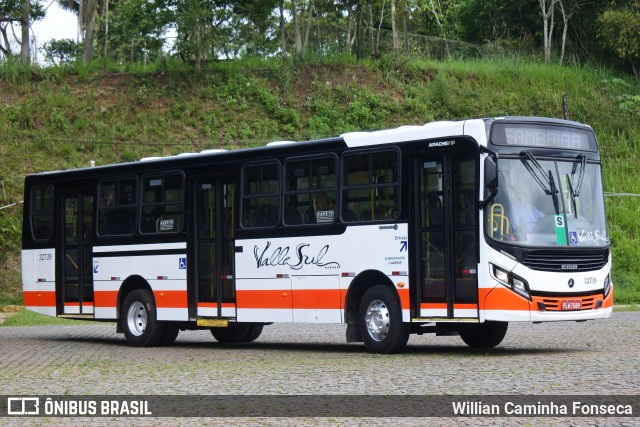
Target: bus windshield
{"x":548,"y":203}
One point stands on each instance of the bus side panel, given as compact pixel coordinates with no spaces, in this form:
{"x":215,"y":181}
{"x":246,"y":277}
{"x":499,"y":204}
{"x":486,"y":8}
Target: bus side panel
{"x":264,"y":300}
{"x":305,"y":279}
{"x":38,"y":280}
{"x":165,"y":274}
{"x":316,"y":299}
{"x":108,"y":275}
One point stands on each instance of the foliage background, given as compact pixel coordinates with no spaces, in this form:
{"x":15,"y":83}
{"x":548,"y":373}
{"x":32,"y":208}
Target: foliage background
{"x":160,"y":77}
{"x":59,"y":118}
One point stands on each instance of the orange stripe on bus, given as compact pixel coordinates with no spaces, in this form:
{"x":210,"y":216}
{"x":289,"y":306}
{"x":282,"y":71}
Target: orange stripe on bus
{"x":405,"y":301}
{"x":39,"y":298}
{"x":164,"y":299}
{"x":317,"y":298}
{"x":300,"y":299}
{"x":501,"y":298}
{"x":433,"y":305}
{"x":264,"y":299}
{"x":108,"y":299}
{"x":465,"y":306}
{"x":171,"y":299}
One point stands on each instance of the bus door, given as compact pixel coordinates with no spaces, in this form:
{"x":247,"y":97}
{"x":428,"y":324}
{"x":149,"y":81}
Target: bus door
{"x":214,"y":246}
{"x":77,"y":276}
{"x":447,"y":202}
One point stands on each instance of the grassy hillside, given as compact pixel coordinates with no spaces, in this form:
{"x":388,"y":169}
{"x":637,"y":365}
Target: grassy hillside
{"x":57,"y":119}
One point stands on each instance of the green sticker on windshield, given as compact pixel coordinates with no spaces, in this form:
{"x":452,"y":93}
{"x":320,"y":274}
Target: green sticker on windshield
{"x":561,"y":231}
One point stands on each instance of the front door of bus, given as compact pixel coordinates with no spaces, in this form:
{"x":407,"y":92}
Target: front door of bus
{"x":77,"y":274}
{"x":448,"y":212}
{"x":214,"y":247}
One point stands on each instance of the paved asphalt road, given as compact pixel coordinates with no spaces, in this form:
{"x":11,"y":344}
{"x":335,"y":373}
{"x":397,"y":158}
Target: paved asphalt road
{"x":595,"y":358}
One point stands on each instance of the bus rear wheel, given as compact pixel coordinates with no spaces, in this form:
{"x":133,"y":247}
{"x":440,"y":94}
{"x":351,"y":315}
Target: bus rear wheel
{"x":380,"y":320}
{"x":484,"y":335}
{"x":139,"y":319}
{"x":238,"y":332}
{"x":171,"y":332}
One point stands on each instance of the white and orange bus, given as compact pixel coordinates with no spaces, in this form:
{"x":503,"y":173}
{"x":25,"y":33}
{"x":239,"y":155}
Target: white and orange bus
{"x":447,"y":228}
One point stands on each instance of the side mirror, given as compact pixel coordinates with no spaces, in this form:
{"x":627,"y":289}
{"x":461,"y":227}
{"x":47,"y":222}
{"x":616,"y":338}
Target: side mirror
{"x":490,"y":173}
{"x":490,"y":179}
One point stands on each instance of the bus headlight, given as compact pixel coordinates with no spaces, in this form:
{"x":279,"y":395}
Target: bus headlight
{"x":607,"y":285}
{"x":515,"y":283}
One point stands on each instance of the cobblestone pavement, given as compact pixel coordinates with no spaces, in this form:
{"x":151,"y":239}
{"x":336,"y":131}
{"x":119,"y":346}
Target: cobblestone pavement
{"x":597,"y":357}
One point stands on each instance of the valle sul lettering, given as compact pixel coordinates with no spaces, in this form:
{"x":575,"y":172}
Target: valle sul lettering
{"x":280,"y":257}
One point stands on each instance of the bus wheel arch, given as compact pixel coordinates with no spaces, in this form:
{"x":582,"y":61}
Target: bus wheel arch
{"x":373,"y":291}
{"x":138,"y":316}
{"x":130,"y":284}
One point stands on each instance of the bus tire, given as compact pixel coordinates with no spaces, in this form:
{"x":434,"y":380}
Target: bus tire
{"x":171,"y":332}
{"x":380,"y":320}
{"x":484,"y":335}
{"x":254,"y":332}
{"x":139,"y":319}
{"x":235,"y":332}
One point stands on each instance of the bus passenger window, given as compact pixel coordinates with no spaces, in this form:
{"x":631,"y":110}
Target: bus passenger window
{"x":310,"y":191}
{"x":371,"y":189}
{"x":260,"y":196}
{"x":162,"y":205}
{"x":117,"y":207}
{"x":42,"y":212}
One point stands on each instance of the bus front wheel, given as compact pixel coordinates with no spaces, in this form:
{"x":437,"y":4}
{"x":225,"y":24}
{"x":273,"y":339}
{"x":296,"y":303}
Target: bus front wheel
{"x":484,"y":335}
{"x":139,"y":319}
{"x":380,"y":320}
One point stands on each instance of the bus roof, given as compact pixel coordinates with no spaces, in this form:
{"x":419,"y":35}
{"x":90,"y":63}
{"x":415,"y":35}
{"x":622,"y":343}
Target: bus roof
{"x":475,"y":128}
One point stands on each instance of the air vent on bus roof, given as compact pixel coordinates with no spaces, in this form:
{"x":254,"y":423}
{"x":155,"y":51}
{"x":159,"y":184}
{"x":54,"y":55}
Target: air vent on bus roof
{"x":213,"y":151}
{"x":276,"y":143}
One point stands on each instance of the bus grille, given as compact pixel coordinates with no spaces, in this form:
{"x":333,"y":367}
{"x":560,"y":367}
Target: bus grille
{"x":566,"y":261}
{"x":555,"y":303}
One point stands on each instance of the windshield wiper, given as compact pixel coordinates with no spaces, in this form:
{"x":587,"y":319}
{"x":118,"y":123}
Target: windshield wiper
{"x":583,"y":163}
{"x":574,"y":190}
{"x":542,"y":178}
{"x":538,"y":172}
{"x":554,"y":193}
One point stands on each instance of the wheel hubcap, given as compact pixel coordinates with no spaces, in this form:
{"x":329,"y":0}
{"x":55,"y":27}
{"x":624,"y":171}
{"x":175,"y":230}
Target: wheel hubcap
{"x":377,"y":320}
{"x":137,"y":318}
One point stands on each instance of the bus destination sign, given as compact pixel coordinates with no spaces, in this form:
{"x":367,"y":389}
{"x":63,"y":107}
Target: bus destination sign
{"x":542,"y":136}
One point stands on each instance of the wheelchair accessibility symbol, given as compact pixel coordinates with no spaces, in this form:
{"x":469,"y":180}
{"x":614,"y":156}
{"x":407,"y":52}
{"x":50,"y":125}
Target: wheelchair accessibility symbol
{"x":573,"y":238}
{"x":183,"y":264}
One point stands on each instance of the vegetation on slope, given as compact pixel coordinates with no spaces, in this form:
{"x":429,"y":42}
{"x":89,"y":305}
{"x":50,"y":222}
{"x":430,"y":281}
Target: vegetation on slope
{"x":61,"y":118}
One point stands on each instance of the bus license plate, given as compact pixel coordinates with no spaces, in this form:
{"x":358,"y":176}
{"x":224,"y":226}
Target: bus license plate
{"x":571,"y":304}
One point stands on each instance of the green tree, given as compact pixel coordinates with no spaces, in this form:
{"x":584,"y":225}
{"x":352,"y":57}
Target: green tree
{"x":136,"y":29}
{"x":620,"y":30}
{"x":18,"y":11}
{"x":86,"y":10}
{"x":208,"y":29}
{"x":60,"y":51}
{"x":511,"y":23}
